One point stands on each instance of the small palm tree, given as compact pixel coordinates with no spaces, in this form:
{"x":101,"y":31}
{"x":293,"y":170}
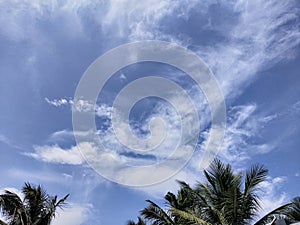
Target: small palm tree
{"x":36,"y":208}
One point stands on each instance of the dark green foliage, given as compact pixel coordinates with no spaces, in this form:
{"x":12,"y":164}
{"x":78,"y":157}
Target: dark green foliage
{"x":293,"y":211}
{"x":37,"y":207}
{"x":140,"y":222}
{"x":226,"y":198}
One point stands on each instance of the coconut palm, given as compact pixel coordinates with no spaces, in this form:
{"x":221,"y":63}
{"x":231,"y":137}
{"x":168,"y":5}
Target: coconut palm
{"x":226,"y":198}
{"x":36,"y":208}
{"x":140,"y":222}
{"x":156,"y":215}
{"x":293,"y":212}
{"x":289,"y":211}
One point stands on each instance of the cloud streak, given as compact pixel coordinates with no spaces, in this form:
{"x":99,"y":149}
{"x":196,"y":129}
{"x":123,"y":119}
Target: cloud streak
{"x":261,"y":37}
{"x":56,"y":154}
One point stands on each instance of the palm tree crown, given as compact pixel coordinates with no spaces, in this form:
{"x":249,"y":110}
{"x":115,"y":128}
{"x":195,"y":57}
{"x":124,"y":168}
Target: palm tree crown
{"x":36,"y":208}
{"x":226,"y":198}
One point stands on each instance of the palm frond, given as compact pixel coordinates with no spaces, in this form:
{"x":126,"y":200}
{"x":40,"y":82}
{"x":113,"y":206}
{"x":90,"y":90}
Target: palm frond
{"x":254,"y":176}
{"x":190,"y":217}
{"x":293,"y":211}
{"x":156,"y":214}
{"x":276,"y":211}
{"x":3,"y":223}
{"x":12,"y":207}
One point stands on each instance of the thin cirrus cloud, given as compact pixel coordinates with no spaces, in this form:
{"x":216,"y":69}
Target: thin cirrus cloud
{"x":257,"y":41}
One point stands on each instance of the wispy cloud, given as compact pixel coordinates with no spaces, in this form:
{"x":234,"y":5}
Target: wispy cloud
{"x":243,"y":125}
{"x":272,"y":194}
{"x":82,"y":106}
{"x":9,"y":142}
{"x":74,"y":214}
{"x":56,"y":154}
{"x":59,"y":102}
{"x":38,"y":176}
{"x":261,"y":37}
{"x":4,"y":139}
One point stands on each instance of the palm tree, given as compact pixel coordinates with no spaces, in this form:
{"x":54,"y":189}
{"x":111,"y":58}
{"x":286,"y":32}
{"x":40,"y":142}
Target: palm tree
{"x":226,"y":198}
{"x":293,"y":212}
{"x":36,"y":208}
{"x":157,"y":215}
{"x":290,"y":211}
{"x":140,"y":222}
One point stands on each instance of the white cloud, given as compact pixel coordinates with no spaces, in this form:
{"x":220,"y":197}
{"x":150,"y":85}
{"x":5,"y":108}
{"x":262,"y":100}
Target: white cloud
{"x":18,"y":19}
{"x":60,"y":135}
{"x":271,"y":194}
{"x":243,"y":126}
{"x":73,"y":214}
{"x":82,"y":106}
{"x":58,"y":102}
{"x":140,"y":20}
{"x":56,"y":154}
{"x":256,"y":39}
{"x":255,"y":42}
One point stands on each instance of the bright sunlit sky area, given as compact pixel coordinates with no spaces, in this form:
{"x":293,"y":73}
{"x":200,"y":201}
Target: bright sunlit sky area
{"x":251,"y":47}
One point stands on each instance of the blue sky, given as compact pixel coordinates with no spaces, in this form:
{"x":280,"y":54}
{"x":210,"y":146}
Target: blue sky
{"x":252,"y":47}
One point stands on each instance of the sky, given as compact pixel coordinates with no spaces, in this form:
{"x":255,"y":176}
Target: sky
{"x":251,"y":48}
